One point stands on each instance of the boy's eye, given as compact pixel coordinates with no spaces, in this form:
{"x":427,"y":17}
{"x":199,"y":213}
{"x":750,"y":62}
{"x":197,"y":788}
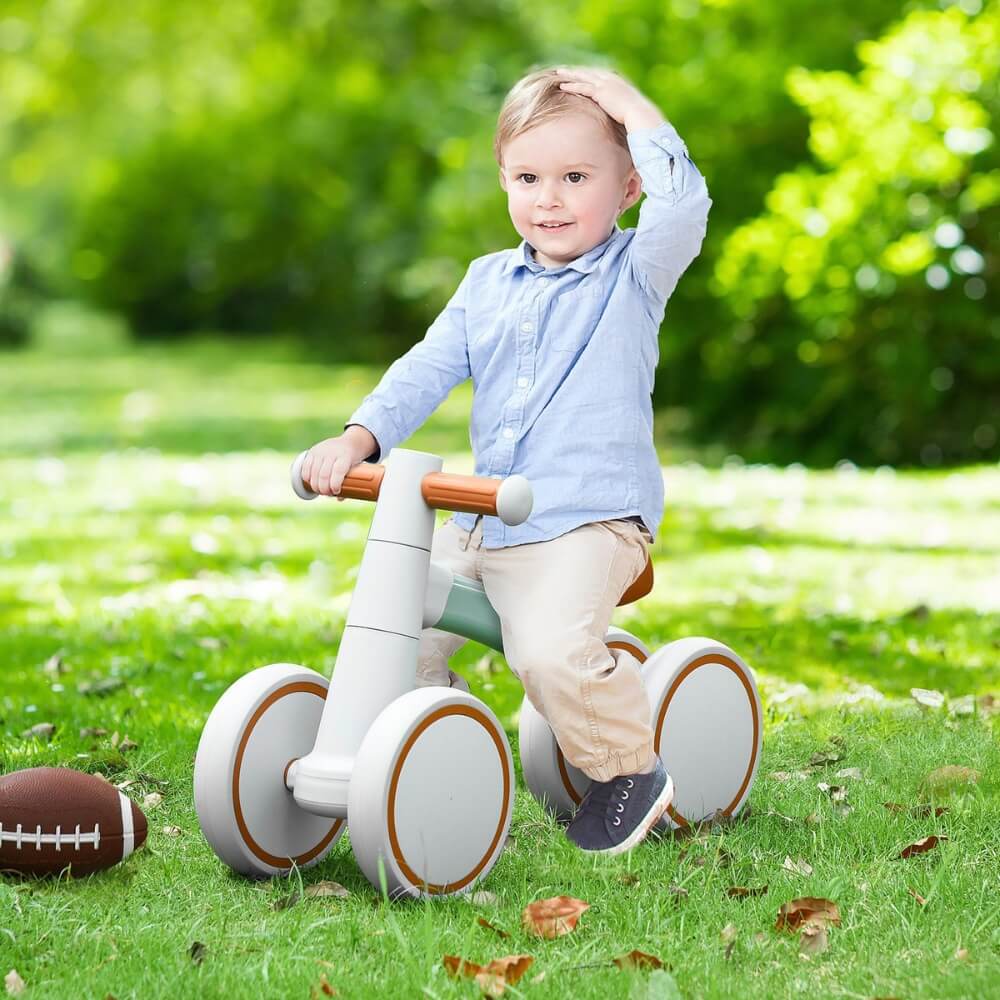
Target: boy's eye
{"x":529,"y":178}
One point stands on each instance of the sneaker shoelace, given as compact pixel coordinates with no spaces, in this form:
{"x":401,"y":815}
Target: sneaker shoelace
{"x":608,"y":799}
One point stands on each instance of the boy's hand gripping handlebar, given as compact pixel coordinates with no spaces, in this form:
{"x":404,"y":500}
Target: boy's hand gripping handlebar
{"x":509,"y":499}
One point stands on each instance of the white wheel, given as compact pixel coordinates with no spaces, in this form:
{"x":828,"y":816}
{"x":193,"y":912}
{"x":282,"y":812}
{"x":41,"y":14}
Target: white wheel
{"x":431,"y":794}
{"x":557,"y":785}
{"x":263,"y":722}
{"x":706,"y":717}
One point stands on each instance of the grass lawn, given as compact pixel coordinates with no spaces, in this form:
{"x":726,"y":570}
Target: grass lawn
{"x":152,"y":552}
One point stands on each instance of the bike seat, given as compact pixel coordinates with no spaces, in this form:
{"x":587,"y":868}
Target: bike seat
{"x":641,"y":585}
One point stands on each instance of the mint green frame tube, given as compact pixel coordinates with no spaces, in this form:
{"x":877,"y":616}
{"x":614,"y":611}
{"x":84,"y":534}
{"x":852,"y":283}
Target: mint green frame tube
{"x":468,"y":612}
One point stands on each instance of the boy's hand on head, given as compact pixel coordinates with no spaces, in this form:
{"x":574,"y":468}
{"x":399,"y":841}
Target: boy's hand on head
{"x":614,"y":95}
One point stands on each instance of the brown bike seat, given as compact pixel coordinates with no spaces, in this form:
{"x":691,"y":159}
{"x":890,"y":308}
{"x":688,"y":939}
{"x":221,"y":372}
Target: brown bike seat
{"x":641,"y":585}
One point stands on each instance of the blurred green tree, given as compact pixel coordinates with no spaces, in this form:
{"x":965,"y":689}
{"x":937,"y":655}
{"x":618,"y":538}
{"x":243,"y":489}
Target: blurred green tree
{"x":866,"y":294}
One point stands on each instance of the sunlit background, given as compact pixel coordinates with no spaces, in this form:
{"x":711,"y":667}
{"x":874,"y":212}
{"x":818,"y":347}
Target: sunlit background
{"x":319,"y":173}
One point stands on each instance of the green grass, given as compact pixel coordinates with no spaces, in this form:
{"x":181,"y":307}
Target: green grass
{"x":148,"y":536}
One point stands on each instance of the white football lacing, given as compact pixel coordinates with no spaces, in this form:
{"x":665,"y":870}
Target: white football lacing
{"x":75,"y":840}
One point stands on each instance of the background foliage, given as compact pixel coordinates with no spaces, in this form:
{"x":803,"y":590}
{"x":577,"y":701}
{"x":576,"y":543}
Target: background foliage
{"x":324,"y":170}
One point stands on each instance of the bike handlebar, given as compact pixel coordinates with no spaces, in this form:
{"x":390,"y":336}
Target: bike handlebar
{"x":509,"y":499}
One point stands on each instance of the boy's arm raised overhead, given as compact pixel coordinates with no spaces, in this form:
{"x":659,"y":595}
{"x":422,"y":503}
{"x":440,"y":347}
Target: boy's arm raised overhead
{"x":674,"y":214}
{"x":414,"y":385}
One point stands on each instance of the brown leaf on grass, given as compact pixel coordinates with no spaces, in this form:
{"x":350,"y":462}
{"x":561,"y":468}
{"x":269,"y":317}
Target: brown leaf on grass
{"x":678,"y":892}
{"x":921,"y":846}
{"x":323,"y":987}
{"x":92,"y":732}
{"x":916,"y":895}
{"x":492,"y":978}
{"x":922,"y":811}
{"x":813,"y":940}
{"x":490,"y":927}
{"x":287,"y":902}
{"x":197,"y":952}
{"x":988,"y":704}
{"x":838,"y":793}
{"x":742,"y":892}
{"x":551,"y":918}
{"x":637,"y":960}
{"x":823,"y":757}
{"x":949,"y":778}
{"x":807,"y":909}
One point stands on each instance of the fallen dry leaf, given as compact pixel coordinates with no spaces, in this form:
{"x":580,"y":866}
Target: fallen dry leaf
{"x":637,"y":960}
{"x":327,"y":888}
{"x":551,"y":918}
{"x":920,"y":812}
{"x":949,"y":778}
{"x":323,"y":987}
{"x":961,"y":954}
{"x":824,"y":757}
{"x":197,"y":952}
{"x":921,"y":846}
{"x":800,"y":867}
{"x":807,"y":909}
{"x":41,"y":731}
{"x":172,"y":831}
{"x":916,"y":895}
{"x":836,"y":792}
{"x":927,"y":699}
{"x":741,"y":892}
{"x":728,"y":935}
{"x":493,"y":977}
{"x":490,"y":927}
{"x":484,"y":898}
{"x":813,"y":940}
{"x":850,"y":772}
{"x":152,"y":800}
{"x":678,"y":892}
{"x":14,"y":983}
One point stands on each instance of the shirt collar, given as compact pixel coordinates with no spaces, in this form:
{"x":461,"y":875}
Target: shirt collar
{"x":520,"y":256}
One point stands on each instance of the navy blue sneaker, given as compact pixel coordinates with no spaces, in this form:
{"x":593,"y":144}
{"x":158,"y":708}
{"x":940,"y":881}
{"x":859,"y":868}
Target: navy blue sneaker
{"x":616,"y":815}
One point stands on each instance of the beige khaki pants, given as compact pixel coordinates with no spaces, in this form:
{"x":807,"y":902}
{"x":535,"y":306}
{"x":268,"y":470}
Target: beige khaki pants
{"x":555,"y":600}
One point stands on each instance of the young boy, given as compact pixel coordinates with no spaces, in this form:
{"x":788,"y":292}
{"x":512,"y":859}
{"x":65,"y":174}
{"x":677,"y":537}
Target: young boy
{"x":559,"y":337}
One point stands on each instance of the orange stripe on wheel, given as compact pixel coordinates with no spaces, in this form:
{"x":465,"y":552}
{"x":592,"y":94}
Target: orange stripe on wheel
{"x":299,"y":687}
{"x":397,"y":850}
{"x":725,"y":661}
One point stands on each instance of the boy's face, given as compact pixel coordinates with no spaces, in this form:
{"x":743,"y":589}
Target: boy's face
{"x":567,"y":171}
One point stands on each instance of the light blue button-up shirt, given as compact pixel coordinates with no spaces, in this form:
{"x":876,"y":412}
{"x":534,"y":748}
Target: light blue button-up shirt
{"x":562,"y":360}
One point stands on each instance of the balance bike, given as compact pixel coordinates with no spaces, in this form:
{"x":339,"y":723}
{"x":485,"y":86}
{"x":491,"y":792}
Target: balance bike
{"x":424,"y":776}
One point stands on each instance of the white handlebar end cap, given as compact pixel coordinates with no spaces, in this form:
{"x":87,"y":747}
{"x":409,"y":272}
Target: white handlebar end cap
{"x":514,"y":500}
{"x":301,"y":490}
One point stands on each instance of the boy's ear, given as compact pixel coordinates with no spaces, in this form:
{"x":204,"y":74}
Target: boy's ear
{"x":633,"y":191}
{"x":503,"y":180}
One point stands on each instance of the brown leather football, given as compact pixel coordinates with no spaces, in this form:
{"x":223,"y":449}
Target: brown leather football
{"x":54,"y":818}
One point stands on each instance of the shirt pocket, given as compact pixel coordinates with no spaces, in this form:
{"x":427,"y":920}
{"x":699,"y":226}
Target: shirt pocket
{"x":573,"y":315}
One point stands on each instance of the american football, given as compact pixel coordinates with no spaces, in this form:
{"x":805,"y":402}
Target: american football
{"x":54,"y":818}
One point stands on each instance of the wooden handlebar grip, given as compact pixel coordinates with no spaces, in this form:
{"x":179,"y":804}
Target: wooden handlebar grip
{"x":472,"y":494}
{"x":363,"y":482}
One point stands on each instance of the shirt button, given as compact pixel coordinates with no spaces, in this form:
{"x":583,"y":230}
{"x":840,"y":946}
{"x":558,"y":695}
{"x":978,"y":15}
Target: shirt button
{"x":522,"y":382}
{"x":527,"y":327}
{"x":508,"y":433}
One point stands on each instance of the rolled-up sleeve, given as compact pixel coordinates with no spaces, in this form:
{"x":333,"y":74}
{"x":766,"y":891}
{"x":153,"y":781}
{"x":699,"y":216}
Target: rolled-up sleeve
{"x":673,"y":216}
{"x":414,"y":385}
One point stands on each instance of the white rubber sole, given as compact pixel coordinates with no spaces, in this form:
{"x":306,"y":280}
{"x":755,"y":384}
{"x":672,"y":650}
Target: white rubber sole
{"x":638,"y":835}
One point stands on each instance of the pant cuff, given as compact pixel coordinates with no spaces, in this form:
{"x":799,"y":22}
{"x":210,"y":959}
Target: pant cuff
{"x":617,"y":764}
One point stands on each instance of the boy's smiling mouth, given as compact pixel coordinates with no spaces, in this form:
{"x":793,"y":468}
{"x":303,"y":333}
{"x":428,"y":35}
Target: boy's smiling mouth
{"x":553,"y":226}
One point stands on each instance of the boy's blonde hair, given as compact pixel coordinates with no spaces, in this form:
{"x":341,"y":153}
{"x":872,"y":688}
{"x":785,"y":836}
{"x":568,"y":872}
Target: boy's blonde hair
{"x":536,"y":99}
